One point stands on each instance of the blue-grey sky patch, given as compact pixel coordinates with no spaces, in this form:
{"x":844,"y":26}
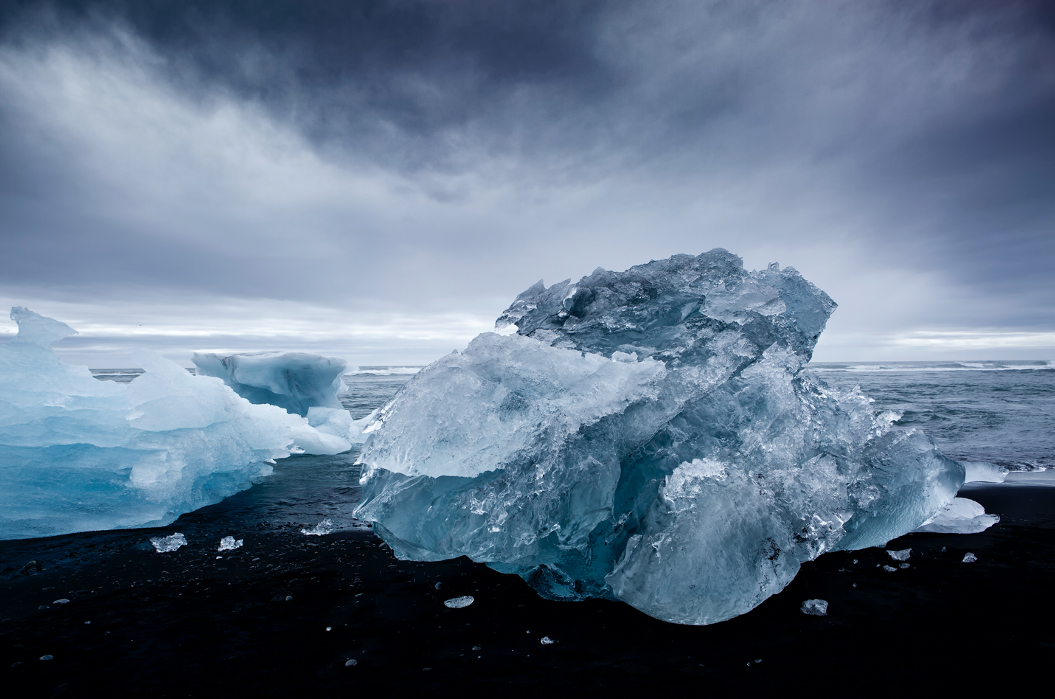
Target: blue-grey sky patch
{"x":378,"y":180}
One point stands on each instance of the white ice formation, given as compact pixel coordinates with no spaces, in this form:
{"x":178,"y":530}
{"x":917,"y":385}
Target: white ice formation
{"x":321,"y":529}
{"x":459,"y":602}
{"x":168,"y":544}
{"x":294,"y":381}
{"x":815,"y":607}
{"x":229,"y":543}
{"x":651,"y":436}
{"x":78,"y":454}
{"x":301,"y":383}
{"x":984,"y":472}
{"x":961,"y":516}
{"x":902,"y":555}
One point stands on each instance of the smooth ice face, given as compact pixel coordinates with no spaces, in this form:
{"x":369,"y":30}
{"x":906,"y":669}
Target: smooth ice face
{"x":294,"y":381}
{"x":649,"y":436}
{"x":961,"y":516}
{"x":78,"y":454}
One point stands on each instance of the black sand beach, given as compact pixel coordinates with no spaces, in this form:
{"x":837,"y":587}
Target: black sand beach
{"x":286,"y":612}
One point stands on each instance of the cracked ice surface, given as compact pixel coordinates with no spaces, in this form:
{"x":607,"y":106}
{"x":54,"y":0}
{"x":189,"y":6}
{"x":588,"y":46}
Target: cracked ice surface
{"x":650,"y":436}
{"x":77,"y":454}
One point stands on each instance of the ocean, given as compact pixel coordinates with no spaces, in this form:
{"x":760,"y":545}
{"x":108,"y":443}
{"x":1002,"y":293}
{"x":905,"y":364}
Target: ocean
{"x":1001,"y":412}
{"x":291,"y":612}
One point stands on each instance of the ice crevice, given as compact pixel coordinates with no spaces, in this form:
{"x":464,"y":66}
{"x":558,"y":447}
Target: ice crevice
{"x":653,"y":436}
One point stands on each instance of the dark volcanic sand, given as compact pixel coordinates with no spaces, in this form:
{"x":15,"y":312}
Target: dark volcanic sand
{"x":185,"y":623}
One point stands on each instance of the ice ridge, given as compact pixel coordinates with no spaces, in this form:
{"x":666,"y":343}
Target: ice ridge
{"x":651,"y":436}
{"x":78,"y":454}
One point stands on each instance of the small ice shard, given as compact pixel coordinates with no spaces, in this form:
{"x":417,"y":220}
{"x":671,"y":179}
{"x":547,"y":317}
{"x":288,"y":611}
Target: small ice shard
{"x":815,"y":607}
{"x":166,"y":544}
{"x":61,"y":601}
{"x":437,"y":585}
{"x":459,"y":602}
{"x":229,"y":543}
{"x":970,"y":558}
{"x":653,"y":436}
{"x":902,"y":555}
{"x":546,"y":641}
{"x":477,"y":648}
{"x":351,"y":662}
{"x":983,"y":472}
{"x":322,"y":528}
{"x":47,"y":657}
{"x":961,"y":516}
{"x":890,"y":569}
{"x":904,"y":566}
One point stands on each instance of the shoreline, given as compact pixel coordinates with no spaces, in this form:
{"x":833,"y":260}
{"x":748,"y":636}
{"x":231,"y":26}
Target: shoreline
{"x":187,"y":623}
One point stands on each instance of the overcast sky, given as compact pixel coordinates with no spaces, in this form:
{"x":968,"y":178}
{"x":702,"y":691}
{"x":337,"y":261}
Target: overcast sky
{"x":378,"y":180}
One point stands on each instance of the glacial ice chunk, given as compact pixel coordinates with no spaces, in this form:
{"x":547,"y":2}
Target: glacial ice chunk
{"x":229,"y":543}
{"x":321,"y":529}
{"x":167,"y":544}
{"x":815,"y":607}
{"x":294,"y":381}
{"x":902,"y":555}
{"x":459,"y":602}
{"x":652,"y":436}
{"x":78,"y":454}
{"x":961,"y":516}
{"x":970,"y":558}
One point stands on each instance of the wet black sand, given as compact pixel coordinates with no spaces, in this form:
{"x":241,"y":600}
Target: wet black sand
{"x":255,"y":621}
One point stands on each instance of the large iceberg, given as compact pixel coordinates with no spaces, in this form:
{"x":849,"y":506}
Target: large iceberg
{"x":651,"y":436}
{"x":78,"y":454}
{"x":295,"y":381}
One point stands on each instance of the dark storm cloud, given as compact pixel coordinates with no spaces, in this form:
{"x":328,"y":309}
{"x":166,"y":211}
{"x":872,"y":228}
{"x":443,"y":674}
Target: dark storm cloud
{"x":444,"y":155}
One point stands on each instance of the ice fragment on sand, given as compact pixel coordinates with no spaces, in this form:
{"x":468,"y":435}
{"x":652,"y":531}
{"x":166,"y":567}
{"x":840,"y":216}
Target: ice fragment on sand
{"x":902,"y":555}
{"x":546,"y":641}
{"x":61,"y":601}
{"x":78,"y":454}
{"x":904,"y":566}
{"x":229,"y":543}
{"x":890,"y":569}
{"x":351,"y":662}
{"x":970,"y":558}
{"x":459,"y":602}
{"x":165,"y":544}
{"x":652,"y":436}
{"x":47,"y":657}
{"x":961,"y":516}
{"x":815,"y":607}
{"x":294,"y":381}
{"x":322,"y":528}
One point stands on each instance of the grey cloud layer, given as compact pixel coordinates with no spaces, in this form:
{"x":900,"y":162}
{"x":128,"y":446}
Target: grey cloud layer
{"x":443,"y":156}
